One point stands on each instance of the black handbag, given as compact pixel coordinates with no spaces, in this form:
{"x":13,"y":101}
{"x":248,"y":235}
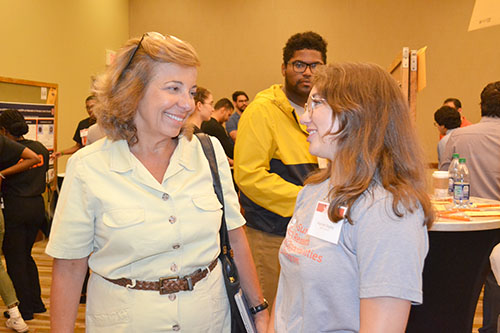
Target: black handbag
{"x":229,"y":270}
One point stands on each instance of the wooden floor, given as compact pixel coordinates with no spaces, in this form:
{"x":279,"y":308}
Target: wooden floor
{"x":41,"y":321}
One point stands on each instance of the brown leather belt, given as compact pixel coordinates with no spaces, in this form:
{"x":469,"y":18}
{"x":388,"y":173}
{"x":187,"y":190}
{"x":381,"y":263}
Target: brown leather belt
{"x":167,"y":285}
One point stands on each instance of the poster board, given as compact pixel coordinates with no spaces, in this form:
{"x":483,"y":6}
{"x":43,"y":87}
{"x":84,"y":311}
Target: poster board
{"x":37,"y":101}
{"x":408,"y":69}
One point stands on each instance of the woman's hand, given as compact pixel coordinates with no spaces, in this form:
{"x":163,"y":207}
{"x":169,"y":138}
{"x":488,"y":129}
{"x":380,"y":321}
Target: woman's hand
{"x":261,"y":321}
{"x":248,"y":275}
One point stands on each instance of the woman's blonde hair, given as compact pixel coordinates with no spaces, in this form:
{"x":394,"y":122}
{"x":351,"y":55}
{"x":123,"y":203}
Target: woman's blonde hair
{"x":376,"y":140}
{"x":120,"y":88}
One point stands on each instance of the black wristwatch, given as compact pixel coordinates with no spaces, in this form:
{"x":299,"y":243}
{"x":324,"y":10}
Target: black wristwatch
{"x":260,"y":307}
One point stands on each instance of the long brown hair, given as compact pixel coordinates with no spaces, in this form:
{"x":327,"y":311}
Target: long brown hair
{"x":376,"y":140}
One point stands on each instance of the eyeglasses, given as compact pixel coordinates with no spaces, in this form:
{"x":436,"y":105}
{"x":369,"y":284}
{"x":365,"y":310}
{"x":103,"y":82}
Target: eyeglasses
{"x":152,"y":34}
{"x":300,"y":66}
{"x":313,"y":103}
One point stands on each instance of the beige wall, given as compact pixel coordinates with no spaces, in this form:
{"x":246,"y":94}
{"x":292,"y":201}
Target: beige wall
{"x":240,"y":42}
{"x":63,"y":42}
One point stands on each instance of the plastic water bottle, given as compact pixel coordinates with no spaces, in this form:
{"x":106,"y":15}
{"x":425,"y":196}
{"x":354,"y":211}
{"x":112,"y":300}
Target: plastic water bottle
{"x":452,"y":172}
{"x":461,"y":186}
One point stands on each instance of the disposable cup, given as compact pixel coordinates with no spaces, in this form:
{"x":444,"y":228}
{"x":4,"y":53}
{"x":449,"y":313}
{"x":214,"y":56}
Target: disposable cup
{"x":440,"y":184}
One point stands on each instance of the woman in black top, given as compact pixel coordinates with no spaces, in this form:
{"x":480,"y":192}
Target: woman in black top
{"x":24,"y":213}
{"x":10,"y":153}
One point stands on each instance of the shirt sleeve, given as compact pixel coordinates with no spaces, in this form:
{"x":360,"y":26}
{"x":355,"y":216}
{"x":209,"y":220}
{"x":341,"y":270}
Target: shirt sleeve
{"x":10,"y":152}
{"x":234,"y":219}
{"x":226,"y":142}
{"x":213,"y":128}
{"x":440,"y":153}
{"x":447,"y":154}
{"x":254,"y":150}
{"x":77,"y":138}
{"x":231,"y":124}
{"x":72,"y":233}
{"x":391,"y":253}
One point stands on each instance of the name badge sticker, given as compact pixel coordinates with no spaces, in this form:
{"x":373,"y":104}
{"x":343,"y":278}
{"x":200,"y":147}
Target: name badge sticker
{"x":83,"y":134}
{"x":322,"y":227}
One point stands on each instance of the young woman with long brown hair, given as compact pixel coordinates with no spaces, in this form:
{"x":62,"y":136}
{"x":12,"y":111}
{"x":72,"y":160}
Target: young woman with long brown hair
{"x":354,"y":252}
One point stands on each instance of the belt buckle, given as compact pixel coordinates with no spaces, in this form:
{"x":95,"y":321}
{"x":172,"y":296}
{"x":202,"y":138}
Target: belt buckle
{"x":162,"y":289}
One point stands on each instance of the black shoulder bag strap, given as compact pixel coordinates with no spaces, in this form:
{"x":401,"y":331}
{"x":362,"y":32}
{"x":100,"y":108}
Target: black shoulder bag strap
{"x":229,"y":270}
{"x":209,"y":151}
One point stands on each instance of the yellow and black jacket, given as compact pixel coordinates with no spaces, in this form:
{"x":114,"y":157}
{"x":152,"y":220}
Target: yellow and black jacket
{"x":271,"y":160}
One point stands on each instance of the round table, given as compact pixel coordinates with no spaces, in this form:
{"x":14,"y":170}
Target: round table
{"x":454,"y":273}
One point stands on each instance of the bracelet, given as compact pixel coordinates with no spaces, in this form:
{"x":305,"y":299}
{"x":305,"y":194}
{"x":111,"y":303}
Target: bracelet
{"x":2,"y":176}
{"x":259,"y":307}
{"x":62,"y":153}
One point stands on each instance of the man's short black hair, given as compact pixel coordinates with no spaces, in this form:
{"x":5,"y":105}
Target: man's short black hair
{"x":238,"y":93}
{"x":448,"y":117}
{"x":224,"y":103}
{"x":455,"y":102}
{"x":305,"y":40}
{"x":490,"y":100}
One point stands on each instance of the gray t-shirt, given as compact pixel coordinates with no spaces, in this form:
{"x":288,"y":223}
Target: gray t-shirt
{"x":321,"y":283}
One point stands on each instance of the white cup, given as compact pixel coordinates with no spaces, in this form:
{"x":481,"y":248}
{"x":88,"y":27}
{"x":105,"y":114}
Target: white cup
{"x":440,"y":184}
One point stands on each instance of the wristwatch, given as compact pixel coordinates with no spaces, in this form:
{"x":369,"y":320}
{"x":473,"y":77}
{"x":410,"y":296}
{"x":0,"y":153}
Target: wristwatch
{"x":259,"y":307}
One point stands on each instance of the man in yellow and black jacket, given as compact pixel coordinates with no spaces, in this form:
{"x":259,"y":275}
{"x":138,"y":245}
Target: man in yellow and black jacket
{"x":272,"y":156}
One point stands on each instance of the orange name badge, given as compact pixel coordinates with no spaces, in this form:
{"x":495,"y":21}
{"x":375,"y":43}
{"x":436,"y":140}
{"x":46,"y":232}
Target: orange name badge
{"x":321,"y":225}
{"x":83,"y":134}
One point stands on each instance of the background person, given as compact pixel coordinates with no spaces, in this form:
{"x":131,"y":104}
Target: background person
{"x":457,"y":105}
{"x":214,"y":126}
{"x":446,"y":120}
{"x":271,"y":154}
{"x":203,"y":108}
{"x":81,"y":131}
{"x":11,"y":154}
{"x":354,"y":252}
{"x":240,"y":100}
{"x":479,"y":144}
{"x":24,"y":213}
{"x":142,"y":202}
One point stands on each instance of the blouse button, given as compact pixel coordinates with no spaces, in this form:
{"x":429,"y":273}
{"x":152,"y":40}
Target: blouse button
{"x":165,"y":196}
{"x":172,"y":219}
{"x":172,"y":297}
{"x":176,"y":327}
{"x":176,"y":246}
{"x":173,"y":268}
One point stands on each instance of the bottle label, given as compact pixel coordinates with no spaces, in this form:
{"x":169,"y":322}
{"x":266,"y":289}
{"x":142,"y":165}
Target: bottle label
{"x":461,"y":191}
{"x":465,"y":192}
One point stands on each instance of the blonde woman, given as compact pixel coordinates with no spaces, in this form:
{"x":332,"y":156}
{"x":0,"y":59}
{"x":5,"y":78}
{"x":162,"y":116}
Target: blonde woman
{"x":142,"y":202}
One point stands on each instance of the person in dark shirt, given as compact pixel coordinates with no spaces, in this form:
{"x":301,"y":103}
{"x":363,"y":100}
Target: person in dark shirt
{"x":222,"y":110}
{"x":240,"y":100}
{"x":24,"y":214}
{"x":14,"y":158}
{"x":81,"y":132}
